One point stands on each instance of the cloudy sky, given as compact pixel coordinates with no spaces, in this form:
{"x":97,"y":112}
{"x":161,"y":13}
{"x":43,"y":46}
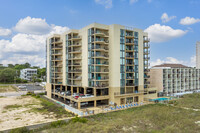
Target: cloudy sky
{"x":173,"y":27}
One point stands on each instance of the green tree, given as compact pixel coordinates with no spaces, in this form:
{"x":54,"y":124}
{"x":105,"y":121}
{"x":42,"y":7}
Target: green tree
{"x":7,"y":75}
{"x":11,"y":66}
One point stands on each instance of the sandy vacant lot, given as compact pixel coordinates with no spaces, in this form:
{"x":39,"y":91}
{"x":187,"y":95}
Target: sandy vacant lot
{"x":19,"y":111}
{"x":8,"y":88}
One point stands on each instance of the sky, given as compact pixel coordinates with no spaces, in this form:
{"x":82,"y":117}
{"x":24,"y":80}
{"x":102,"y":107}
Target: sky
{"x":173,"y":26}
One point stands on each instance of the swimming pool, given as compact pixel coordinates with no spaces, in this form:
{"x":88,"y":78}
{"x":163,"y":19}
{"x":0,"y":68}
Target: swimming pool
{"x":160,"y":99}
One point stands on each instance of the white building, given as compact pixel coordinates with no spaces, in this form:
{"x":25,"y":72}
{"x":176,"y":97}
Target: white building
{"x":174,"y":79}
{"x":28,"y":73}
{"x":198,"y":54}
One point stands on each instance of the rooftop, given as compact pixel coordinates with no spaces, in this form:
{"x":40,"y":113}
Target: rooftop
{"x":172,"y":65}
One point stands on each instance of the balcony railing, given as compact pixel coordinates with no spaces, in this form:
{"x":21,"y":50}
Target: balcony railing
{"x":75,"y":70}
{"x":129,"y":93}
{"x":129,"y":84}
{"x":56,"y":47}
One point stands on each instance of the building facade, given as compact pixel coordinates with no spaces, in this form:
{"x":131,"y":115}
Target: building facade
{"x":28,"y":73}
{"x":174,"y":79}
{"x":198,"y":55}
{"x":98,"y":65}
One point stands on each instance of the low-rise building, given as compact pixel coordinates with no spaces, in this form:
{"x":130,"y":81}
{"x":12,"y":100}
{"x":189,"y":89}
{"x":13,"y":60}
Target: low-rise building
{"x":28,"y":73}
{"x":174,"y":79}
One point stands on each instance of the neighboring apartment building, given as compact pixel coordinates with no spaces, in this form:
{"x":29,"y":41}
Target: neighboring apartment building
{"x":106,"y":63}
{"x":28,"y":73}
{"x":174,"y":79}
{"x":198,"y":55}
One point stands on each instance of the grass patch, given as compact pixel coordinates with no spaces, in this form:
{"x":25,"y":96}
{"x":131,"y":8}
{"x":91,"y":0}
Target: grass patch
{"x":48,"y":107}
{"x":20,"y":130}
{"x":188,"y":101}
{"x":146,"y":119}
{"x":15,"y":106}
{"x":79,"y":119}
{"x":58,"y":123}
{"x":2,"y":97}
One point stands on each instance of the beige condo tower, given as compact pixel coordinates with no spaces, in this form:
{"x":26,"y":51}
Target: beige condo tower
{"x":98,"y":65}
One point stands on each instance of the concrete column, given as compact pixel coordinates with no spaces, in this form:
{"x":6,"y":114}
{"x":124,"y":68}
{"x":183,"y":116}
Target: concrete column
{"x":95,"y":103}
{"x":95,"y":92}
{"x":85,"y":90}
{"x":79,"y":105}
{"x":77,"y":89}
{"x":71,"y":90}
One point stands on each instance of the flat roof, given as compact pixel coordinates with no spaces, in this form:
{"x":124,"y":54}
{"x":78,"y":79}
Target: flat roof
{"x":172,"y":65}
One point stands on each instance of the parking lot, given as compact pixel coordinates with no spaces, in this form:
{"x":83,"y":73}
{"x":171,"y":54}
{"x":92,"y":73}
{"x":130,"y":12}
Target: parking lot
{"x":29,"y":87}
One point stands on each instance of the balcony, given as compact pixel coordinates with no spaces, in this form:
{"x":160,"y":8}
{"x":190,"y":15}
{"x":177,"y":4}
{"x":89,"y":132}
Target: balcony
{"x":129,"y":71}
{"x":75,"y":71}
{"x":146,"y":58}
{"x":75,"y":45}
{"x":101,"y":56}
{"x":101,"y":41}
{"x":56,"y":59}
{"x":56,"y":47}
{"x":56,"y":53}
{"x":100,"y":85}
{"x":76,"y":37}
{"x":146,"y":52}
{"x":146,"y":39}
{"x":100,"y":48}
{"x":129,"y":56}
{"x":129,"y":84}
{"x":129,"y":93}
{"x":129,"y":78}
{"x":146,"y":45}
{"x":74,"y":51}
{"x":102,"y":64}
{"x":74,"y":64}
{"x":101,"y":33}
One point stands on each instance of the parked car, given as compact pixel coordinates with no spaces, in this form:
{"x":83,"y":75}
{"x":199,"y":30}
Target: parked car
{"x":68,"y":93}
{"x":21,"y":87}
{"x":87,"y":96}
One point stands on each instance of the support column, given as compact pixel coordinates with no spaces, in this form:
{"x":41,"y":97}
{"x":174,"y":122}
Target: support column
{"x":95,"y":103}
{"x":85,"y":90}
{"x":77,"y":89}
{"x":71,"y":90}
{"x":79,"y":105}
{"x":95,"y":92}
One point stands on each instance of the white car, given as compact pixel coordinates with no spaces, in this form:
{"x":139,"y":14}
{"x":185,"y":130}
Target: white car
{"x":87,"y":96}
{"x":21,"y":87}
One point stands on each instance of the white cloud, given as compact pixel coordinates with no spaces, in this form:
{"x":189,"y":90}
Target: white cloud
{"x":165,"y":18}
{"x":106,"y":3}
{"x":30,"y":25}
{"x":161,"y":33}
{"x":149,"y":1}
{"x":172,"y":60}
{"x":36,"y":60}
{"x":133,"y":1}
{"x":27,"y":47}
{"x":5,"y":32}
{"x":189,"y":21}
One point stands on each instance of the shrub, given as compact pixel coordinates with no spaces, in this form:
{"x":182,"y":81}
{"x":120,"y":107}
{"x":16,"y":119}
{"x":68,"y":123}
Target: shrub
{"x":57,"y":123}
{"x":20,"y":130}
{"x":79,"y":119}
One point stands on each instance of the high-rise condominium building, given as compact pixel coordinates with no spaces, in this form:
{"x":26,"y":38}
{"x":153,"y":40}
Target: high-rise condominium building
{"x":174,"y":79}
{"x":98,"y":65}
{"x":198,"y":55}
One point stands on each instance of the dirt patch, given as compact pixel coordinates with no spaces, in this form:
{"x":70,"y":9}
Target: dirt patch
{"x":7,"y":88}
{"x":17,"y":112}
